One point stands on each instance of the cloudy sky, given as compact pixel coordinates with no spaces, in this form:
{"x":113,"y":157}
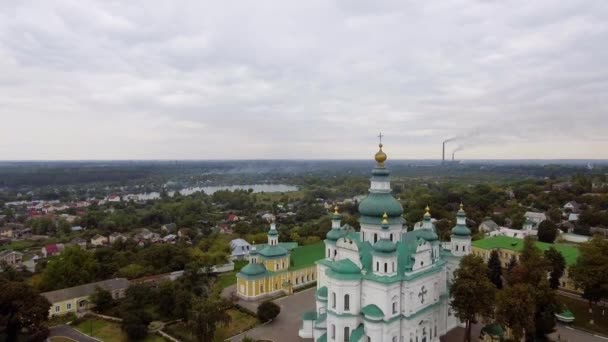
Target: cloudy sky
{"x":302,"y":79}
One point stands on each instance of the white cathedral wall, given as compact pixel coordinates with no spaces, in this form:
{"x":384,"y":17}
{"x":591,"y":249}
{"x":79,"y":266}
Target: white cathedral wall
{"x":381,"y":295}
{"x":411,"y":290}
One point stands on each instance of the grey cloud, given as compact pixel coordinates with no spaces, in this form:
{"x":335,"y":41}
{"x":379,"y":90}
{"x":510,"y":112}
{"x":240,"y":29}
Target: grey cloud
{"x":280,"y":79}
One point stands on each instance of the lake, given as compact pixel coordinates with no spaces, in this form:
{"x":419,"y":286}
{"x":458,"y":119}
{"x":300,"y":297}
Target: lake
{"x":209,"y":190}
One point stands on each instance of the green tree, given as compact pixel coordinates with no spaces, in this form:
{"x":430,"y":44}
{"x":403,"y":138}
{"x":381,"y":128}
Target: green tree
{"x":135,"y":323}
{"x":22,"y":308}
{"x":102,"y":299}
{"x":166,"y":298}
{"x":206,"y":315}
{"x":512,"y":263}
{"x":515,"y":308}
{"x":547,"y":231}
{"x":268,"y":311}
{"x":590,"y":272}
{"x":495,"y":269}
{"x":73,"y":267}
{"x":471,"y":281}
{"x":557,"y":264}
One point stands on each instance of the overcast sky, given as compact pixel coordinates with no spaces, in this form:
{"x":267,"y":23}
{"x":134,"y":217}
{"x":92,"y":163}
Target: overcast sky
{"x":302,"y":79}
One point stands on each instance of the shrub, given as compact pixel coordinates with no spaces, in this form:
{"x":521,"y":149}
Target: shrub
{"x":268,"y":311}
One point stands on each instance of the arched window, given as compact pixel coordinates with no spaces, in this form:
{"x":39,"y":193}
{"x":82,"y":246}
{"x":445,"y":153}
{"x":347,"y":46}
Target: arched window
{"x":456,"y":248}
{"x":333,"y":332}
{"x":377,"y":266}
{"x":346,"y":302}
{"x":328,"y":253}
{"x":346,"y":334}
{"x":385,"y":267}
{"x":375,"y":237}
{"x":363,"y":234}
{"x":391,"y":237}
{"x":394,"y":307}
{"x":333,"y":300}
{"x":335,"y":252}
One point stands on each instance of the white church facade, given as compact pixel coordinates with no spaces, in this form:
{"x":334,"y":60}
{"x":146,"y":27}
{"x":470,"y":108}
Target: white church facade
{"x":384,"y":284}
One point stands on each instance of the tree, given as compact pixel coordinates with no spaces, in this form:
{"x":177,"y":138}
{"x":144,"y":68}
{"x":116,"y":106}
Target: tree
{"x":23,"y":308}
{"x":512,"y":263}
{"x":268,"y":311}
{"x":554,"y":215}
{"x":590,"y":272}
{"x":471,"y":281}
{"x":206,"y":315}
{"x":547,"y":231}
{"x":557,"y":264}
{"x":135,"y":323}
{"x":495,"y":269}
{"x":515,"y":307}
{"x":102,"y":299}
{"x":73,"y":267}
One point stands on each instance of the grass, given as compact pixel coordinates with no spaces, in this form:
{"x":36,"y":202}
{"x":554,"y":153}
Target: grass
{"x":569,"y":252}
{"x":240,"y":322}
{"x":20,"y":245}
{"x":109,"y":331}
{"x":227,"y":279}
{"x":580,"y":309}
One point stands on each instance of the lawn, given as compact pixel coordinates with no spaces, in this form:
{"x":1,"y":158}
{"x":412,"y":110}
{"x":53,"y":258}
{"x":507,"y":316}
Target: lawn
{"x":240,"y":322}
{"x":305,"y":256}
{"x":227,"y":279}
{"x":109,"y":331}
{"x":580,"y":309}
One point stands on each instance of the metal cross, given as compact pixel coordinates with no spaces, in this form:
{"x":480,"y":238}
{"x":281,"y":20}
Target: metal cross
{"x":380,"y":136}
{"x":422,"y":294}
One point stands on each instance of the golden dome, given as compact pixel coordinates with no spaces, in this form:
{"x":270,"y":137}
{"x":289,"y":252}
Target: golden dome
{"x":385,"y":218}
{"x":336,"y":210}
{"x":427,"y":211}
{"x":380,"y":156}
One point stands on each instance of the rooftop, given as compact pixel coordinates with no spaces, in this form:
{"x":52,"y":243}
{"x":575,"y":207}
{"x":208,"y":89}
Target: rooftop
{"x":305,"y":256}
{"x":85,"y":290}
{"x":569,"y":252}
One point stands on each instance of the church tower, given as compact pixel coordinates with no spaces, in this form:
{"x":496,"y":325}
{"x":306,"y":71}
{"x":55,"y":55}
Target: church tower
{"x":461,"y":235}
{"x":378,"y":203}
{"x":385,"y":252}
{"x":273,"y":235}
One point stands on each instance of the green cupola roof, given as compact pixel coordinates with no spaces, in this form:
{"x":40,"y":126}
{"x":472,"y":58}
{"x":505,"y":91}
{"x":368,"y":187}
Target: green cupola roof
{"x":372,"y":311}
{"x":461,"y":229}
{"x":273,"y":251}
{"x":384,"y":246}
{"x":253,"y":269}
{"x":378,"y":203}
{"x":345,"y":266}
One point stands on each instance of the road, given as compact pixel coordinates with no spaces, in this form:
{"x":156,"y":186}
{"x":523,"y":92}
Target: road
{"x":67,"y":331}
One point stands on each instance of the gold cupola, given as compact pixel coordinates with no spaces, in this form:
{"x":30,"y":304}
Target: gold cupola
{"x":380,"y":156}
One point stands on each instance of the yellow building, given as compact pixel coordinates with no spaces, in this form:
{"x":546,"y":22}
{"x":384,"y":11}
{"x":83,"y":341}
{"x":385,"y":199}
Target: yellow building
{"x":274,"y":269}
{"x":76,"y":299}
{"x":509,"y":247}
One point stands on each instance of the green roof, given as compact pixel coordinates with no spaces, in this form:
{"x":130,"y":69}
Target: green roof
{"x":384,"y":246}
{"x":273,"y":251}
{"x":287,"y":245}
{"x":357,"y":334}
{"x":372,"y":311}
{"x":345,"y":266}
{"x":253,"y":269}
{"x":305,"y":256}
{"x":494,"y":330}
{"x":569,"y":252}
{"x":461,"y":230}
{"x":335,"y":233}
{"x":322,"y":292}
{"x":378,"y":203}
{"x":323,"y":338}
{"x":309,"y":316}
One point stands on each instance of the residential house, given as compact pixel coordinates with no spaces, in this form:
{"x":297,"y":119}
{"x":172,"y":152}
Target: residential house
{"x":268,"y":217}
{"x":82,"y":243}
{"x":532,"y":222}
{"x":77,"y":299}
{"x":232,"y":218}
{"x":171,"y":238}
{"x":76,"y":229}
{"x":573,"y":217}
{"x":117,"y":236}
{"x":169,"y":228}
{"x":6,"y":232}
{"x":22,"y":233}
{"x":513,"y":233}
{"x":99,"y":240}
{"x":145,"y":235}
{"x":488,"y":226}
{"x":183,"y":233}
{"x":52,"y":249}
{"x":224,"y":229}
{"x":113,"y":198}
{"x":572,"y":207}
{"x":13,"y":258}
{"x":240,"y":249}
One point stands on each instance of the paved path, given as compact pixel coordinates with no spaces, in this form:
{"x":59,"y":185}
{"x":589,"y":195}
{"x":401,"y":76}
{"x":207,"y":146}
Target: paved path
{"x":569,"y":334}
{"x":285,"y":327}
{"x":67,"y":331}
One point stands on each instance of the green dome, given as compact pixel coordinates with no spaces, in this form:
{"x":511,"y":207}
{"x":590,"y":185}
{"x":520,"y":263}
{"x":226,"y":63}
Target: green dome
{"x":345,"y":266}
{"x":273,"y":232}
{"x":322,"y":292}
{"x":273,"y":251}
{"x":461,"y":230}
{"x":334,"y":234}
{"x":253,"y":269}
{"x":372,"y":311}
{"x":384,"y":246}
{"x":376,"y":204}
{"x":428,"y":235}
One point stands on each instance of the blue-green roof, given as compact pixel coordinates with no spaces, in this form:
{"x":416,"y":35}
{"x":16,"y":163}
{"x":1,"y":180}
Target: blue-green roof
{"x":273,"y":251}
{"x":309,"y":316}
{"x":253,"y":270}
{"x":384,"y":246}
{"x":357,"y":334}
{"x":372,"y":311}
{"x":343,"y":269}
{"x":322,"y":292}
{"x":335,"y":233}
{"x":378,"y":203}
{"x":273,"y":232}
{"x":323,"y":338}
{"x":461,"y":230}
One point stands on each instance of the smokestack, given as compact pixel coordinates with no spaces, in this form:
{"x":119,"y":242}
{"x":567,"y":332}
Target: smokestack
{"x":453,"y":156}
{"x":443,"y":153}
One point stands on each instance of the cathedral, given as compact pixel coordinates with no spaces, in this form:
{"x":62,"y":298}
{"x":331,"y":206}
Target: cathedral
{"x":383,"y":283}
